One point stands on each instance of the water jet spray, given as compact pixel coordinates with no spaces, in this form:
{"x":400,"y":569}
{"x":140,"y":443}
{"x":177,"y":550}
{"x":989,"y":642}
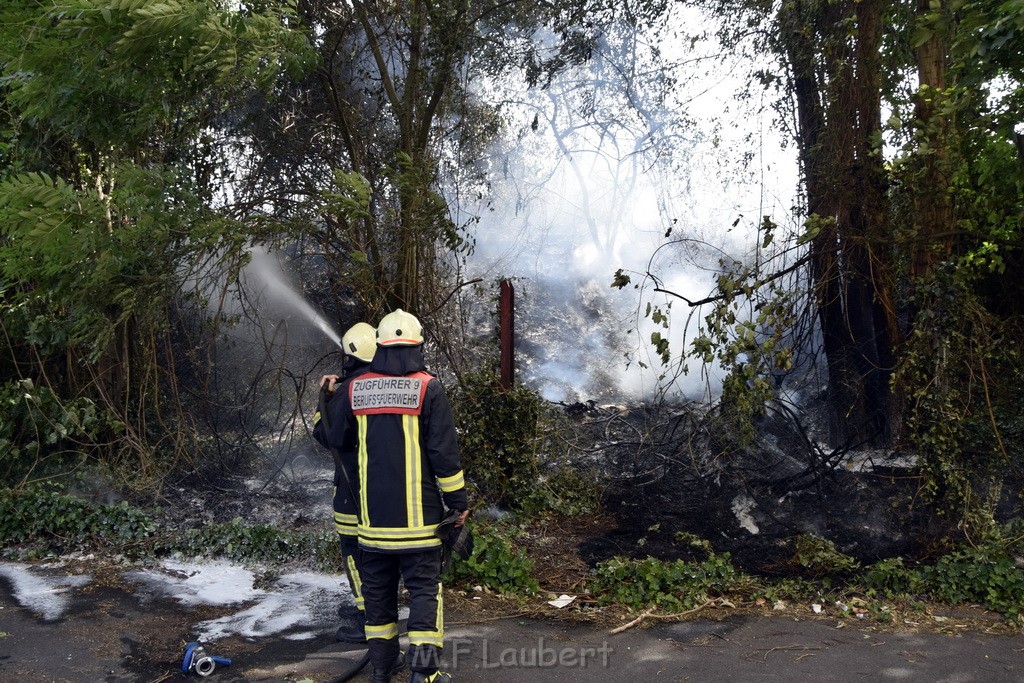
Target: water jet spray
{"x":264,"y":267}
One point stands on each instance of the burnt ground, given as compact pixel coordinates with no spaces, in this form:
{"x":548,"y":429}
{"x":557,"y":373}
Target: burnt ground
{"x":670,"y":471}
{"x":111,"y":637}
{"x":868,"y":516}
{"x":667,"y":473}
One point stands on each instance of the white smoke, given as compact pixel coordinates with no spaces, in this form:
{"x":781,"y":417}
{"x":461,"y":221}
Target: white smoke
{"x":591,"y":174}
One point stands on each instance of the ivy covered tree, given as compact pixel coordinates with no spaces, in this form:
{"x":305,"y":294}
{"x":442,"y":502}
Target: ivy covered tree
{"x":960,"y":179}
{"x":911,"y":234}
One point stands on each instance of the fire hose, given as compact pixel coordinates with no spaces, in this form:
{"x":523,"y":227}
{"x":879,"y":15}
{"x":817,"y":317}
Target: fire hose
{"x":340,"y":465}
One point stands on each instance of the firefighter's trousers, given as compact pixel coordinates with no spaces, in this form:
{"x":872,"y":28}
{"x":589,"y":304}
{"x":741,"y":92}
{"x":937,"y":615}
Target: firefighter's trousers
{"x":346,"y":523}
{"x":350,"y":555}
{"x":421,"y":574}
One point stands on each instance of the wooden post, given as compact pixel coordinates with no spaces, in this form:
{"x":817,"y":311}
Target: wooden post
{"x":507,"y":333}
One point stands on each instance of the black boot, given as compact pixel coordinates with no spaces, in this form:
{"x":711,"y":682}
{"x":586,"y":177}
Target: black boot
{"x":347,"y":611}
{"x":381,"y":677}
{"x":351,"y":630}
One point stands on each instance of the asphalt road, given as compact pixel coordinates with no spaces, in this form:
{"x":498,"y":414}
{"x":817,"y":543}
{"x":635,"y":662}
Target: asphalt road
{"x":737,"y":649}
{"x":111,"y":635}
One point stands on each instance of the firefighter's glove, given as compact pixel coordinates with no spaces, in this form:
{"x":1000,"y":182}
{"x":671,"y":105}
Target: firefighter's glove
{"x":456,"y":540}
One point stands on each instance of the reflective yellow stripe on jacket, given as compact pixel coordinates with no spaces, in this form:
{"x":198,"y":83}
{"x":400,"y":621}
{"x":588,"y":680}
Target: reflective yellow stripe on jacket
{"x":452,"y":483}
{"x":399,"y":538}
{"x":413,"y":471}
{"x":346,"y":525}
{"x":361,"y":422}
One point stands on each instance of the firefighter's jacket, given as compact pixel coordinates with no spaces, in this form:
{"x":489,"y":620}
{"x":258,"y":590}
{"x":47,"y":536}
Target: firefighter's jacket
{"x":346,"y":522}
{"x":397,"y":419}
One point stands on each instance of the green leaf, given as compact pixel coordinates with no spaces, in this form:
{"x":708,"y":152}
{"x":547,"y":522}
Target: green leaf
{"x":920,"y":36}
{"x":620,"y":280}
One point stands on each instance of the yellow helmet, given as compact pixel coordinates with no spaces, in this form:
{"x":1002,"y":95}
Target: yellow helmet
{"x":360,"y":341}
{"x":399,"y":328}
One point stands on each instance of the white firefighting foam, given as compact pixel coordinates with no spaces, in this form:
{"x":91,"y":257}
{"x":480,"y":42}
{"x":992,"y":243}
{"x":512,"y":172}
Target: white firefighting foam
{"x":297,"y":605}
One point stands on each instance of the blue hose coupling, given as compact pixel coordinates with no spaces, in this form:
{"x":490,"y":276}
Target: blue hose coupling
{"x":197,"y":661}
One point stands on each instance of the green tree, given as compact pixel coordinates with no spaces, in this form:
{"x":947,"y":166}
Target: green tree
{"x":105,"y":199}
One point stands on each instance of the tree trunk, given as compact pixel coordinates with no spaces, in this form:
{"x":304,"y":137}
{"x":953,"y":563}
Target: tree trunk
{"x":933,"y":205}
{"x":838,"y":113}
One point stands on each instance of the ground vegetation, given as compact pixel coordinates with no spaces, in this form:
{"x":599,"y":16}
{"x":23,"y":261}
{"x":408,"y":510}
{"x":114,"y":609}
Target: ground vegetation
{"x":519,"y":564}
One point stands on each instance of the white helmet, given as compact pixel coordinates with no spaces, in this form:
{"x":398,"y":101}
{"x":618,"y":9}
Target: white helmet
{"x":399,"y":328}
{"x":360,"y":341}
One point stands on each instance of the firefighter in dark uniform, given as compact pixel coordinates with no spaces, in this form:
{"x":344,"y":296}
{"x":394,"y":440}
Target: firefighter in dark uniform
{"x":398,"y":420}
{"x":359,"y":344}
